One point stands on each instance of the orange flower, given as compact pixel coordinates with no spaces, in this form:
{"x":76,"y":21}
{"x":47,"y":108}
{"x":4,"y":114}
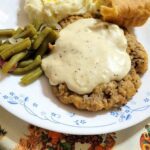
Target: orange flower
{"x":145,"y":146}
{"x":99,"y":147}
{"x":144,"y":141}
{"x":55,"y":137}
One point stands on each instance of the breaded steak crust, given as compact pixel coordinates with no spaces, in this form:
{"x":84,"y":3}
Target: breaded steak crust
{"x":114,"y":93}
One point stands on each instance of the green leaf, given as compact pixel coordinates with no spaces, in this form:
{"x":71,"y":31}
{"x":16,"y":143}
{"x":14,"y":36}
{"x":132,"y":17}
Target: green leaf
{"x":65,"y":146}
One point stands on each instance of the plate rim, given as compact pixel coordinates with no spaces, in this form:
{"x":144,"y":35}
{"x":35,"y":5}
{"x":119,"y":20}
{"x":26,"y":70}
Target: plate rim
{"x":76,"y":131}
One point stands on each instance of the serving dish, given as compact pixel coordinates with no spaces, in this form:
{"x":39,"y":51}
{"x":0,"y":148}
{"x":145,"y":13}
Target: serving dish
{"x":37,"y":105}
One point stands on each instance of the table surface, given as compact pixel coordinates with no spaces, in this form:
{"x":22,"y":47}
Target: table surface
{"x":17,"y":130}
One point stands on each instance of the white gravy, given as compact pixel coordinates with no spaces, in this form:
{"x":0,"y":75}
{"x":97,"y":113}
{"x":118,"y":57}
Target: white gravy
{"x":87,"y":53}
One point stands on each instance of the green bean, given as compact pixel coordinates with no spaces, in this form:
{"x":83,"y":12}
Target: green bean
{"x":32,"y":76}
{"x":41,"y":37}
{"x":30,"y":55}
{"x":32,"y":66}
{"x":25,"y":63}
{"x":43,"y":48}
{"x":6,"y":32}
{"x":16,"y":48}
{"x":35,"y":36}
{"x":37,"y":24}
{"x":17,"y":33}
{"x":4,"y":46}
{"x":14,"y":60}
{"x":53,"y":35}
{"x":29,"y":31}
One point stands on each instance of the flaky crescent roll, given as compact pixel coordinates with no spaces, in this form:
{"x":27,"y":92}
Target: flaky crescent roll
{"x":127,"y":13}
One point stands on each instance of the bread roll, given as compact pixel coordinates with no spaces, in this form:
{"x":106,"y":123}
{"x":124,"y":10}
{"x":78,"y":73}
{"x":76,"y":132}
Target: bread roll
{"x":126,"y":13}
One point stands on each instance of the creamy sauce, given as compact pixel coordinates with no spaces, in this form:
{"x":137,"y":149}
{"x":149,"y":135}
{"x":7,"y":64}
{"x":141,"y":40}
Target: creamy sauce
{"x":87,"y":53}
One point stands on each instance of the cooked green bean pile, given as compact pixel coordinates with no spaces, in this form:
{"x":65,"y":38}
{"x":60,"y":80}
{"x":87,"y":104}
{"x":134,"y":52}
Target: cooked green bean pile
{"x":23,"y":49}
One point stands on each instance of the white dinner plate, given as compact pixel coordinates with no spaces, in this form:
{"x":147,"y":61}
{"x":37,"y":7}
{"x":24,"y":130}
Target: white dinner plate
{"x":38,"y":106}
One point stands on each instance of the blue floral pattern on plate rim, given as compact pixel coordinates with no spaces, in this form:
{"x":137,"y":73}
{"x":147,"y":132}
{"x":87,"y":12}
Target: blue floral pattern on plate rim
{"x":120,"y":115}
